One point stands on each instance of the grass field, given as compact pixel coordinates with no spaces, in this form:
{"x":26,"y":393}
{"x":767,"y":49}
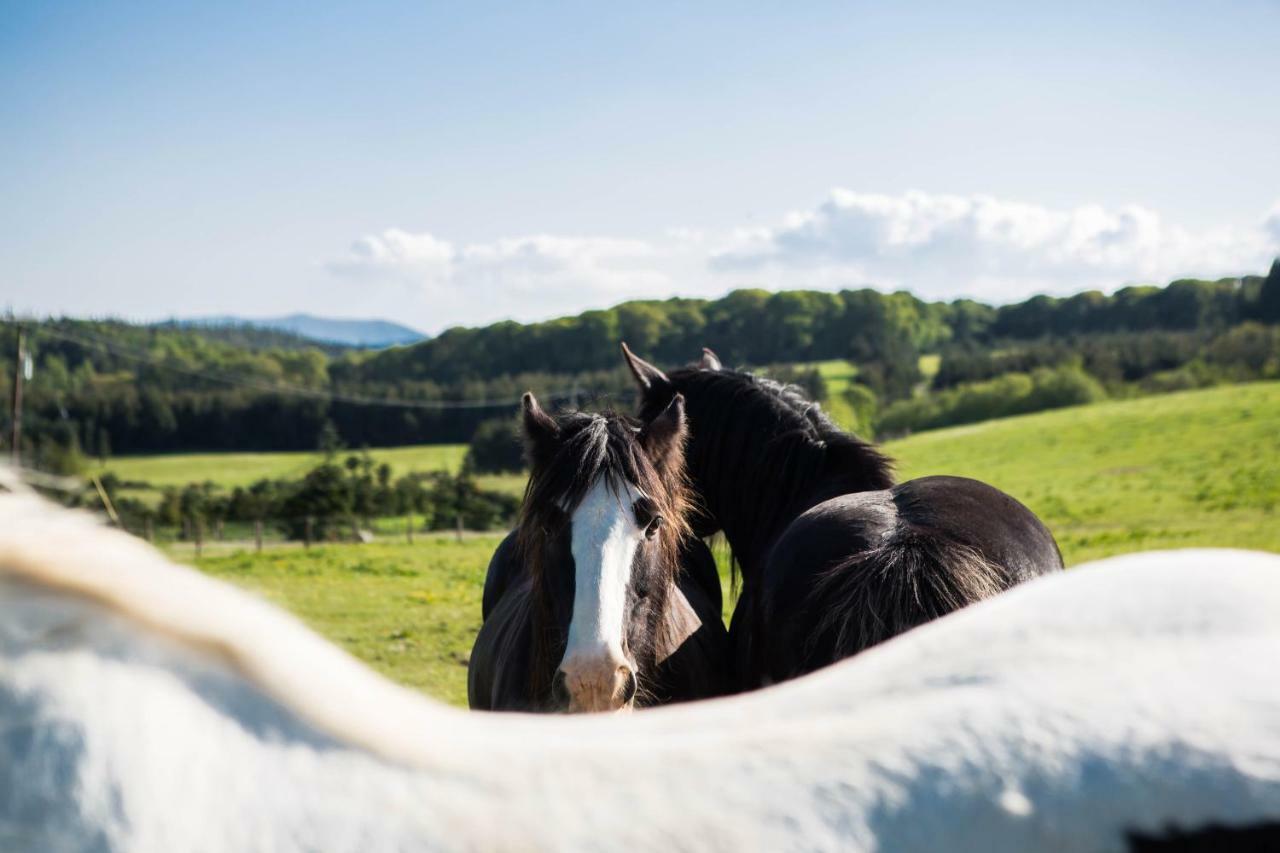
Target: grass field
{"x":1195,"y":468}
{"x":837,"y":374}
{"x":241,"y":469}
{"x":228,"y":470}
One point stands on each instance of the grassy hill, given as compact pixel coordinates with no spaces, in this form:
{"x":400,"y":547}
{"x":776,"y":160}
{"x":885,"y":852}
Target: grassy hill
{"x":1189,"y":469}
{"x":1193,"y":468}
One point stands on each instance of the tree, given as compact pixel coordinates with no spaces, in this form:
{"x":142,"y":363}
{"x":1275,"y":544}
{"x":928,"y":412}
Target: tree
{"x":495,"y":448}
{"x":1268,"y":310}
{"x":324,"y":497}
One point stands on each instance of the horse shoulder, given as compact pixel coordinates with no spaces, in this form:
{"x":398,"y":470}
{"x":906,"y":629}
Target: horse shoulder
{"x":501,"y":657}
{"x":503,"y":569}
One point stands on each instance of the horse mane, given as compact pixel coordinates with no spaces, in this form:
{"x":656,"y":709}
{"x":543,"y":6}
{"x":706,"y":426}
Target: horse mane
{"x":767,"y":441}
{"x":591,"y":446}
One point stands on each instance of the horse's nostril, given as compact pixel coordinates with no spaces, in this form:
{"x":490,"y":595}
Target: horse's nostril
{"x":632,"y":684}
{"x":559,"y":689}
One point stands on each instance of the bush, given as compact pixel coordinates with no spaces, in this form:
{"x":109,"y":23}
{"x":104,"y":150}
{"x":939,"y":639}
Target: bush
{"x":1060,"y":387}
{"x":495,"y":448}
{"x":1010,"y":394}
{"x":452,"y":498}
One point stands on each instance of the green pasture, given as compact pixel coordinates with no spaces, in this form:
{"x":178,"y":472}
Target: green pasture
{"x":241,"y":469}
{"x":228,"y":470}
{"x":1197,"y":468}
{"x":837,"y":374}
{"x":1188,"y":469}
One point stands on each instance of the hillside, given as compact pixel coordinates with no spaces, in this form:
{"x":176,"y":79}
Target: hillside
{"x":892,"y":363}
{"x":1188,"y":469}
{"x":1191,"y":468}
{"x":755,"y":327}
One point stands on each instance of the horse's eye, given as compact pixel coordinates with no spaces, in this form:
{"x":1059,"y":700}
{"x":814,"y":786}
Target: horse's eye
{"x":651,"y":530}
{"x":644,"y":512}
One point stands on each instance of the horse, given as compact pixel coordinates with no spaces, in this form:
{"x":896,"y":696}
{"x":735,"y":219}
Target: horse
{"x":145,"y":706}
{"x":600,"y":599}
{"x":833,"y":556}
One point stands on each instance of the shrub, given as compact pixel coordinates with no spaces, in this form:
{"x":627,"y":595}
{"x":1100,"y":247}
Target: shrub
{"x":495,"y":448}
{"x":1010,"y":394}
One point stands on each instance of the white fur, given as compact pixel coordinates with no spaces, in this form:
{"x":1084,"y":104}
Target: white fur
{"x":144,"y":706}
{"x":604,"y":544}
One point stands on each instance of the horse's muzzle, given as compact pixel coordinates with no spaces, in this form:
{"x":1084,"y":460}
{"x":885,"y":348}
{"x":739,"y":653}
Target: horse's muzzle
{"x":595,"y":684}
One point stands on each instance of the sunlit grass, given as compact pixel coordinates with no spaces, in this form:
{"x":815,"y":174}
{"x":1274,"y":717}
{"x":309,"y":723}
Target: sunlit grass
{"x":1189,"y":469}
{"x":241,"y":469}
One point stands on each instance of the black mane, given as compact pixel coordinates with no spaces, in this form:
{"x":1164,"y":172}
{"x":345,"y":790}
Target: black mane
{"x":763,"y":447}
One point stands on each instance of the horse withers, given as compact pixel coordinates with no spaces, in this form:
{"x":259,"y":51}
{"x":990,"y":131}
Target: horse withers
{"x":600,"y":599}
{"x":834,"y":557}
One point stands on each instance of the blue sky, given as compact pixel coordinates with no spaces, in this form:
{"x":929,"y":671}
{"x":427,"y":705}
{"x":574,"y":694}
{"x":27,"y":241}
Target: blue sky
{"x":458,"y":164}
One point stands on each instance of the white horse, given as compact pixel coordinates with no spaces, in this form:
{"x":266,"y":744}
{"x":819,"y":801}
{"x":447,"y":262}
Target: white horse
{"x":144,"y":706}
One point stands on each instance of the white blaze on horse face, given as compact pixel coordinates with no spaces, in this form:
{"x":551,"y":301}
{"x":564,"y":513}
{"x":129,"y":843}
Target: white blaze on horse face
{"x":604,"y":543}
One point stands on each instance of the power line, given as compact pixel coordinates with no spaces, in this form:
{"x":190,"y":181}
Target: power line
{"x":121,"y":351}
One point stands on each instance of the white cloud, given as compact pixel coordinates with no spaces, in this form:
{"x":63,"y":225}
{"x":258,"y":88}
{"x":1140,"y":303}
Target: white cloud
{"x":946,"y":245}
{"x":533,"y":276}
{"x":938,"y":246}
{"x":542,"y":262}
{"x":396,"y":253}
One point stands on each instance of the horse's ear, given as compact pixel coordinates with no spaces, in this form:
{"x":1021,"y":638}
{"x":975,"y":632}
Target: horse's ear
{"x":665,"y":433}
{"x":540,"y":429}
{"x":650,"y":379}
{"x":709,"y":361}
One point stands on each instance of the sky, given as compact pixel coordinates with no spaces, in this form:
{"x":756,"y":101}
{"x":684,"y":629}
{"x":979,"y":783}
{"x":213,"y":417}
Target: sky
{"x":444,"y":164}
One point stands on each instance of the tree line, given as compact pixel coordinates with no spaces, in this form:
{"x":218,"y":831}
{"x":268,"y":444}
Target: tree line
{"x":106,"y":387}
{"x":334,"y":500}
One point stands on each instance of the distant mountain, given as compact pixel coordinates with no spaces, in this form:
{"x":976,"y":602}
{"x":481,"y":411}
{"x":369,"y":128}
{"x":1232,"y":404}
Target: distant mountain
{"x":363,"y":334}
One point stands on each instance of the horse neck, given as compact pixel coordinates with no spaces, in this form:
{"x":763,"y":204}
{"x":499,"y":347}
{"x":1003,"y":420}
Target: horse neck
{"x":755,"y":484}
{"x":754,"y":494}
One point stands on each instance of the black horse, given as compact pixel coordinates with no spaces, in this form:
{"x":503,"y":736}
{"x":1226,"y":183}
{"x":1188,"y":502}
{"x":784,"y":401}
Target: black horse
{"x":600,"y":599}
{"x":833,"y":556}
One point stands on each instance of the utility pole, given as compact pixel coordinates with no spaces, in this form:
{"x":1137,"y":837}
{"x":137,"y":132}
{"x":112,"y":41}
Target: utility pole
{"x":19,"y":369}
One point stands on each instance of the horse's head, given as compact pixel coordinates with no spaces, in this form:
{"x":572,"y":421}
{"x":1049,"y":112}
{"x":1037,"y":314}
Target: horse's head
{"x":601,"y":526}
{"x":656,"y":391}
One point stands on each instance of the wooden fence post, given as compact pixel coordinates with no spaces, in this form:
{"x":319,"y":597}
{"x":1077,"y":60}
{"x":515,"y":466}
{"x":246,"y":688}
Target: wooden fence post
{"x":408,"y":527}
{"x":150,"y":530}
{"x":306,"y":539}
{"x":199,"y":536}
{"x":257,"y":535}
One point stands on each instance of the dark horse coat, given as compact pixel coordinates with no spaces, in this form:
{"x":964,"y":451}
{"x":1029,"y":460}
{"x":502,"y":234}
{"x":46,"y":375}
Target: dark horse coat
{"x":834,"y":557}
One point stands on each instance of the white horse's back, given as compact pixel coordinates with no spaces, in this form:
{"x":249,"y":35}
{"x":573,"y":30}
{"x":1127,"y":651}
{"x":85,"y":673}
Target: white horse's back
{"x":144,"y":706}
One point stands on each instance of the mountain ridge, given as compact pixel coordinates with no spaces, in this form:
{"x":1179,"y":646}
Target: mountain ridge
{"x":358,"y":333}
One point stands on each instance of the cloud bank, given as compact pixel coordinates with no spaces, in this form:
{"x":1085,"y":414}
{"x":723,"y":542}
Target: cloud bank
{"x":938,"y":246}
{"x":945,"y":245}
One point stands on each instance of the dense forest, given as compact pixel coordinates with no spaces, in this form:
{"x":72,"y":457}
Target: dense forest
{"x":103,"y":387}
